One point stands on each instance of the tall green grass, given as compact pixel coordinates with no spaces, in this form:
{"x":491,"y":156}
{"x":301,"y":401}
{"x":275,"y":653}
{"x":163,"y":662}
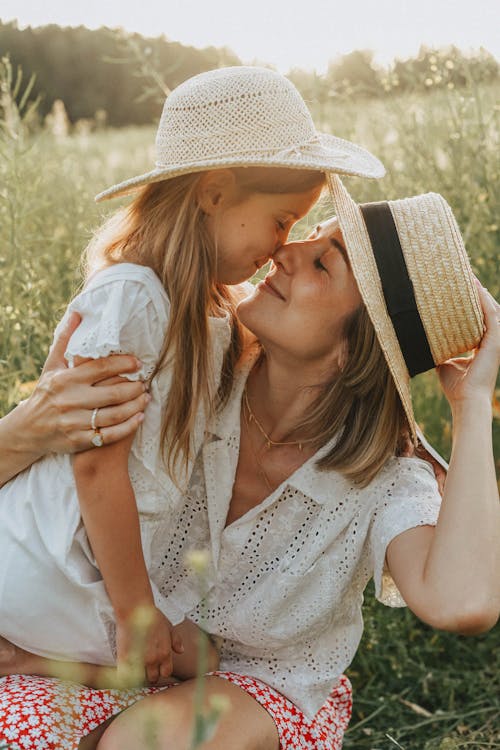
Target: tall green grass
{"x":415,"y":688}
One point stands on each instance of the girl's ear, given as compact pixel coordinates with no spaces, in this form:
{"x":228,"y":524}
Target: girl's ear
{"x":216,"y":189}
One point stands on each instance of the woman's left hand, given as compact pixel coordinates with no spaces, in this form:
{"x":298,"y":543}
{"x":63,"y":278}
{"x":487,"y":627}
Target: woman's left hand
{"x":464,"y":379}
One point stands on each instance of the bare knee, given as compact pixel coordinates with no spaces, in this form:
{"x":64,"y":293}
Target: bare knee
{"x":152,"y":722}
{"x":165,"y":721}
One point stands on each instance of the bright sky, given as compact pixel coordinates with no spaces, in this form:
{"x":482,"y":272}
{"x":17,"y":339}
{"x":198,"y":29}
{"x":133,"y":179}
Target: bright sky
{"x":285,"y":33}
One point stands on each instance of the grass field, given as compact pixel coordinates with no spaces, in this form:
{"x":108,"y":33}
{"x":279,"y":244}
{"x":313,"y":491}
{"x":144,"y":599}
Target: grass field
{"x":415,"y":688}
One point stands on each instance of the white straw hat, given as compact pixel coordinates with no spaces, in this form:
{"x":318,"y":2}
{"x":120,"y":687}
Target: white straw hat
{"x":413,"y":273}
{"x":243,"y":116}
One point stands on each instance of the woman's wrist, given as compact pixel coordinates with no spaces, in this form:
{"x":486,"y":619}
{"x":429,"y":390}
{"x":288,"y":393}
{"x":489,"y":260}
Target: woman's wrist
{"x":472,"y":409}
{"x":18,"y":427}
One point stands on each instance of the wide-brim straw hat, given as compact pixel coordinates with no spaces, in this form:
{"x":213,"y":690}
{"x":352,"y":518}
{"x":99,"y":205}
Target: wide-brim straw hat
{"x":238,"y":117}
{"x":413,"y":273}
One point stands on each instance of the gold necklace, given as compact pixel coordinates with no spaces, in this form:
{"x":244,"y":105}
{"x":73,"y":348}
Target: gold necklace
{"x":269,"y":443}
{"x":260,"y":468}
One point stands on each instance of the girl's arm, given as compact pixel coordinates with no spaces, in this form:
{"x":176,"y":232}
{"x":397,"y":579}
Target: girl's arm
{"x":450,"y":575}
{"x":56,"y":417}
{"x":111,"y":519}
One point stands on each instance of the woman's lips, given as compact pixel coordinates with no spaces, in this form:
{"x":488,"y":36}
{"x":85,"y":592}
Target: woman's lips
{"x":267,"y":286}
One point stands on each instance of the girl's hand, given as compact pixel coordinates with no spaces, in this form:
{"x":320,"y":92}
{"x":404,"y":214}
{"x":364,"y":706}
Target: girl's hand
{"x":465,"y":379}
{"x":145,"y":642}
{"x":56,"y":418}
{"x":199,"y":651}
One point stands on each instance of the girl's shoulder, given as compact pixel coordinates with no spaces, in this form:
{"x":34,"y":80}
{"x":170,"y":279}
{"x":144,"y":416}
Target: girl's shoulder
{"x":126,"y":272}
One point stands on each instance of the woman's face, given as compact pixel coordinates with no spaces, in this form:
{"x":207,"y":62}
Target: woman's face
{"x":302,"y":304}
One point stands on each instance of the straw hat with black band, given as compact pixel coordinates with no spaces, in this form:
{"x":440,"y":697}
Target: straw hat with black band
{"x":413,"y":273}
{"x":239,"y":117}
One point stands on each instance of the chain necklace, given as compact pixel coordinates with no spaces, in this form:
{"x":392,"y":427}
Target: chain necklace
{"x":269,"y":443}
{"x":250,"y":417}
{"x":260,"y":468}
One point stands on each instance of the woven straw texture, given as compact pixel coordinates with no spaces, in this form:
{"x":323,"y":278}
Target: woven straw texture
{"x":243,"y":116}
{"x":443,"y":283}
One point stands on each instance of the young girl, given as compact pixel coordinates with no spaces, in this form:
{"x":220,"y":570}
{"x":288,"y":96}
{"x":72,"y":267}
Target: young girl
{"x":238,"y":162}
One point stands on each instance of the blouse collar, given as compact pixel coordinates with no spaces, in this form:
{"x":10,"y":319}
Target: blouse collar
{"x":321,"y":486}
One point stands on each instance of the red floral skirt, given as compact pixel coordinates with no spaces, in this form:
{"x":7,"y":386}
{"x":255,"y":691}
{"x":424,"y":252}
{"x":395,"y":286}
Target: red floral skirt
{"x":38,"y":713}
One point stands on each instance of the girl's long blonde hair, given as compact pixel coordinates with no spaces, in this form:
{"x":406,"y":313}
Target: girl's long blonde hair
{"x":164,"y":228}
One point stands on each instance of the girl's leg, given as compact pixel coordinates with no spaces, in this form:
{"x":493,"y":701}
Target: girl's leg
{"x":165,"y":720}
{"x":15,"y":660}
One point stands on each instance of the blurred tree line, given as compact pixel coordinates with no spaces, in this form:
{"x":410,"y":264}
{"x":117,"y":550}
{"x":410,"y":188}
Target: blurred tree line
{"x":103,"y":70}
{"x":112,"y":74}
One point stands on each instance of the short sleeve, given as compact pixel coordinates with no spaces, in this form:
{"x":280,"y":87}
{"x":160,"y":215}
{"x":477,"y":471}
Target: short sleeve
{"x":409,"y":498}
{"x":124,"y":310}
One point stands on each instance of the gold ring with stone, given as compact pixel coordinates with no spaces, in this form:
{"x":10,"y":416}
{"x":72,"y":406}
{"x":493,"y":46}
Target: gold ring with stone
{"x":97,"y":439}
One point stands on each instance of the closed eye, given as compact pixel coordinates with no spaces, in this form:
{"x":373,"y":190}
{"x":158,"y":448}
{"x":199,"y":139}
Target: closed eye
{"x":319,"y":265}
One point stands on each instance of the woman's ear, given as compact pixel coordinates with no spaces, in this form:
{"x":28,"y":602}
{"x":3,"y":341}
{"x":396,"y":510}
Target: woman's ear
{"x":216,"y":189}
{"x":342,"y":354}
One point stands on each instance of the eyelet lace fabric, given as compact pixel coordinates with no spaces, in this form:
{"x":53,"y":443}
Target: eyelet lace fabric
{"x":283,"y":586}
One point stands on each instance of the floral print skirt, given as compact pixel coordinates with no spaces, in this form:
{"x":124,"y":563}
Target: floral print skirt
{"x":47,"y":714}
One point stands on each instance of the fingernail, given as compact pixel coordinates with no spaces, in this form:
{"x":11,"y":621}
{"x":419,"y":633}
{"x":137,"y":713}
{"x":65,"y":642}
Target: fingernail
{"x":140,"y":416}
{"x":138,"y":363}
{"x":148,"y":397}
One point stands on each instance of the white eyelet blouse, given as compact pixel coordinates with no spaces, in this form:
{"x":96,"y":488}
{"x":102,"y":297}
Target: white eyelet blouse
{"x":284,"y":583}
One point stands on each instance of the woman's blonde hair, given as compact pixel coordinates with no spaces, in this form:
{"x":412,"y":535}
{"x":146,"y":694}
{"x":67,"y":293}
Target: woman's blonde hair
{"x":164,"y":228}
{"x":360,"y":405}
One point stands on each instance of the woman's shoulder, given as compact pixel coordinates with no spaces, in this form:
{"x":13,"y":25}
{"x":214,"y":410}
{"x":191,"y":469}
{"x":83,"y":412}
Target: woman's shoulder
{"x":404,"y":483}
{"x":404,"y":469}
{"x":398,"y":479}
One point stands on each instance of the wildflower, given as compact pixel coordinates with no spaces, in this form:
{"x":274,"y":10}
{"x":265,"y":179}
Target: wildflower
{"x":197,"y":560}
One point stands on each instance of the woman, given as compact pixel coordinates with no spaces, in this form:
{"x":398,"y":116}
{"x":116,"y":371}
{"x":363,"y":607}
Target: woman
{"x":299,"y":495}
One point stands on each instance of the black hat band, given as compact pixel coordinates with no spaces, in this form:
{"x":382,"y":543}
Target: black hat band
{"x":397,"y":287}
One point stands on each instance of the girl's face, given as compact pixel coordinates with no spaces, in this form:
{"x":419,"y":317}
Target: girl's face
{"x":303,"y":302}
{"x":249,"y":231}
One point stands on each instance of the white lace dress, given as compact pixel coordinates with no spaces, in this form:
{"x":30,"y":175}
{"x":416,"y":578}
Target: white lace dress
{"x":52,"y":597}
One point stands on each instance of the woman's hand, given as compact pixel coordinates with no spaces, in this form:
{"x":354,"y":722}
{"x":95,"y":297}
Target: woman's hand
{"x":56,"y":418}
{"x":465,"y":379}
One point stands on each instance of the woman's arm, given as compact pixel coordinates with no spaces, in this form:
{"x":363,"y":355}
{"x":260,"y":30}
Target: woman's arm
{"x":111,"y":519}
{"x":450,"y":576}
{"x":56,"y":417}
